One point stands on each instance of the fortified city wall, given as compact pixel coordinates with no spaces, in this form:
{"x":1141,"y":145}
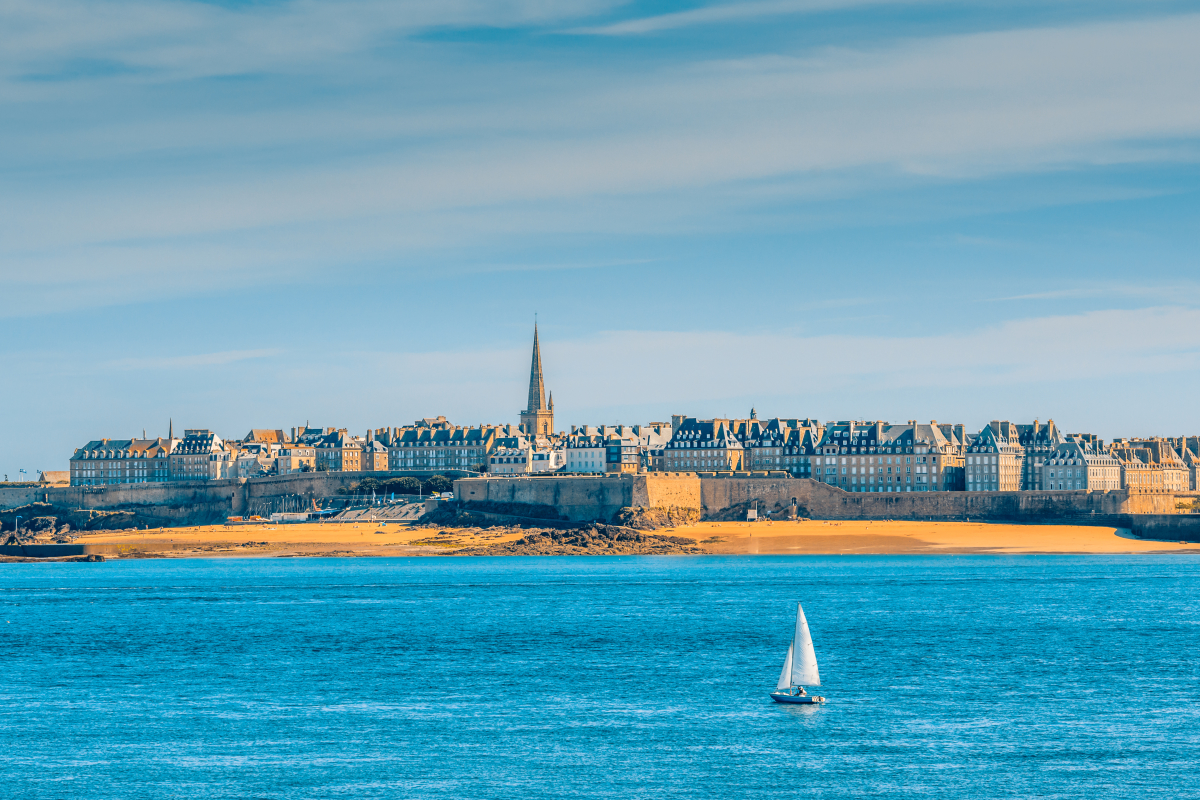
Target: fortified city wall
{"x":819,"y":500}
{"x":587,"y":498}
{"x":584,"y":498}
{"x":181,"y":503}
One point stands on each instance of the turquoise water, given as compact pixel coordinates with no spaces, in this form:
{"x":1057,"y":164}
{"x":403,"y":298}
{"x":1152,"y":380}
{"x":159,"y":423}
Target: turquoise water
{"x":946,"y":677}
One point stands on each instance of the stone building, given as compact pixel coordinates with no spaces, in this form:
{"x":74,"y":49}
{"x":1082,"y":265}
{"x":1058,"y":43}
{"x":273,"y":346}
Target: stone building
{"x":703,"y":446}
{"x":374,"y":455}
{"x":584,"y":450}
{"x":879,"y":457}
{"x":1080,"y":464}
{"x":338,"y":451}
{"x":266,"y":436}
{"x":1039,"y":441}
{"x":995,"y":460}
{"x":201,"y":455}
{"x":295,"y":458}
{"x":766,"y":441}
{"x":105,"y":462}
{"x":521,"y":455}
{"x":800,"y":451}
{"x":538,"y":417}
{"x":1151,"y":465}
{"x":428,"y":447}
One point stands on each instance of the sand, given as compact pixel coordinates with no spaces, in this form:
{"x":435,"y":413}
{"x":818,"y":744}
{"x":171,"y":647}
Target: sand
{"x":764,"y":538}
{"x":315,"y":539}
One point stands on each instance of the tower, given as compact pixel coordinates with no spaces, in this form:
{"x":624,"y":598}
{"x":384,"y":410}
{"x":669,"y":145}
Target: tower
{"x":538,"y":417}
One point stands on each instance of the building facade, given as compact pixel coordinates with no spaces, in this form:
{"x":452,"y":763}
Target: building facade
{"x":995,"y":460}
{"x":702,"y":446}
{"x":105,"y":462}
{"x":1080,"y":465}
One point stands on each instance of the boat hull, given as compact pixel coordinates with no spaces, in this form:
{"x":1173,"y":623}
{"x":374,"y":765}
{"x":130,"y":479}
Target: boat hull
{"x":805,"y":699}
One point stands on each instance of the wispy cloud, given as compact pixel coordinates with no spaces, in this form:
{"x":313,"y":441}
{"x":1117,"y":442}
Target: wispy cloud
{"x":187,"y":362}
{"x":1166,"y":293}
{"x":725,"y":12}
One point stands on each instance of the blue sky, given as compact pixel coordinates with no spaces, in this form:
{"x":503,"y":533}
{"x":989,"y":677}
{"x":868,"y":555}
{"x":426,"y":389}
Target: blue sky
{"x":259,"y":214}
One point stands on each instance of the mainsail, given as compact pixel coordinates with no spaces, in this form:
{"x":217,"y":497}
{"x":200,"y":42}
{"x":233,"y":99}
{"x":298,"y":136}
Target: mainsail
{"x":785,"y":677}
{"x":801,"y":656}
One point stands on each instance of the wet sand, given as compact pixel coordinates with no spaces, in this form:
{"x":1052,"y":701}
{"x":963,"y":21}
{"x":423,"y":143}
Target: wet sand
{"x":764,"y":538}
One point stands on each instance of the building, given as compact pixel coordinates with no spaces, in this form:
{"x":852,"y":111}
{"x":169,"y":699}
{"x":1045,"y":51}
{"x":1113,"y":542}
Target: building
{"x":800,"y":451}
{"x":703,"y":446}
{"x":338,"y":451}
{"x":652,"y":439}
{"x":267,"y":437}
{"x":295,"y":458}
{"x":995,"y":460}
{"x":767,"y":444}
{"x":1081,"y":464}
{"x":538,"y":417}
{"x":426,"y":447}
{"x":201,"y":456}
{"x":520,"y":455}
{"x":623,"y":451}
{"x":105,"y":462}
{"x":584,"y":450}
{"x":880,"y":457}
{"x":1152,"y":465}
{"x":1039,"y":442}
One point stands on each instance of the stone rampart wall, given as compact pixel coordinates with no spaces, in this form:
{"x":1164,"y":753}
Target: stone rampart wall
{"x":821,"y":501}
{"x":579,"y":498}
{"x":181,"y":502}
{"x":665,"y":491}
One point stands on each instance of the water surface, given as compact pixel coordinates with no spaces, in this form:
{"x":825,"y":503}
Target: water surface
{"x":968,"y":676}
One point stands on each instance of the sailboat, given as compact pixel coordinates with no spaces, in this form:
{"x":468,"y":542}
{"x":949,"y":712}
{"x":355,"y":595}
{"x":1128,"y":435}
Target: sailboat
{"x":799,"y":668}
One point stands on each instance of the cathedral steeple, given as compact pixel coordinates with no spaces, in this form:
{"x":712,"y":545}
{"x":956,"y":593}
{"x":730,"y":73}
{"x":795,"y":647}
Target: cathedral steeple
{"x":537,"y":389}
{"x":538,"y":417}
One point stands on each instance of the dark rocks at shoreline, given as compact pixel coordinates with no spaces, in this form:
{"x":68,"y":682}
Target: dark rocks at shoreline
{"x":609,"y":540}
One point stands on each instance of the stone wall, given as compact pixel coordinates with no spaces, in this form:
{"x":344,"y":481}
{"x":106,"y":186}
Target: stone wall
{"x":821,"y":501}
{"x":578,"y":498}
{"x":187,"y":502}
{"x":584,"y":498}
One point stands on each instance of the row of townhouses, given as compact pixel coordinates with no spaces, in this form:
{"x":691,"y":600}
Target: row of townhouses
{"x":856,"y":456}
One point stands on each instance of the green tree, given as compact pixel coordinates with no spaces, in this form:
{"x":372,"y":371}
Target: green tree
{"x":438,"y":483}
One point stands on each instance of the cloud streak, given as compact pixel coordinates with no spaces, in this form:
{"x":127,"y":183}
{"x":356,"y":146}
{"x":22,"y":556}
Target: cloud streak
{"x":187,"y":362}
{"x":726,"y":12}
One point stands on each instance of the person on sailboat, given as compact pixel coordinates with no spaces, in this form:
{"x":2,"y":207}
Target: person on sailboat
{"x":800,"y":691}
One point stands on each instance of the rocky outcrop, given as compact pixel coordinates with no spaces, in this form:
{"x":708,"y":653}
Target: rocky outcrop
{"x":606,"y":540}
{"x":653,"y":519}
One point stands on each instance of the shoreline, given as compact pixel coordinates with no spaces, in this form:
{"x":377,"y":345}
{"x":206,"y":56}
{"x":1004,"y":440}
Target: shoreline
{"x":367,"y":539}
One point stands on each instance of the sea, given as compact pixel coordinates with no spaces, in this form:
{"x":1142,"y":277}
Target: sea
{"x":581,"y":677}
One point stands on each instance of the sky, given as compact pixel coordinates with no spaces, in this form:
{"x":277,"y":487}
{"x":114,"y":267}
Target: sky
{"x":240,"y":215}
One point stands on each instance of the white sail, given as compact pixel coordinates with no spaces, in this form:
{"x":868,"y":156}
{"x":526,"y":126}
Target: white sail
{"x":804,"y":658}
{"x":785,"y":677}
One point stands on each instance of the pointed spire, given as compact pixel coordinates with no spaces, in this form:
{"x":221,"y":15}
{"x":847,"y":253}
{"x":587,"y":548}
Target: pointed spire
{"x":550,"y":402}
{"x":537,"y":391}
{"x":171,"y":429}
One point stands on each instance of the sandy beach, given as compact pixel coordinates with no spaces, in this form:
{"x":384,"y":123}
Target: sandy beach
{"x":808,"y":537}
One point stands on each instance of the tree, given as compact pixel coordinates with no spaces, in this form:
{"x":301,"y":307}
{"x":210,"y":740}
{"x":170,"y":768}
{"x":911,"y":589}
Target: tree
{"x":401,"y":486}
{"x":438,"y":483}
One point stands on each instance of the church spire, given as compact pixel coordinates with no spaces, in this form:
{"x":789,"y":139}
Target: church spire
{"x":170,"y":430}
{"x":538,"y":417}
{"x":537,"y":390}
